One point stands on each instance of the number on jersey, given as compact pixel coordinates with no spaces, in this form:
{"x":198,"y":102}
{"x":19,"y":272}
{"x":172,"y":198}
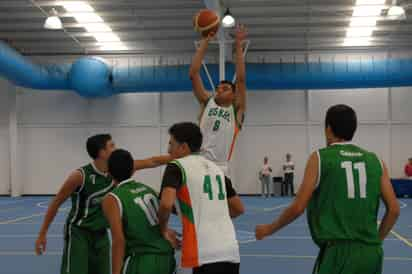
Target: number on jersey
{"x":361,"y":169}
{"x":208,"y":187}
{"x":150,"y":205}
{"x":216,"y":125}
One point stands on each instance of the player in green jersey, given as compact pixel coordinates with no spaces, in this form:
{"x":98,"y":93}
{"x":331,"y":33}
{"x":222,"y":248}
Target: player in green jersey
{"x":341,"y":189}
{"x":131,"y":210}
{"x":87,"y":245}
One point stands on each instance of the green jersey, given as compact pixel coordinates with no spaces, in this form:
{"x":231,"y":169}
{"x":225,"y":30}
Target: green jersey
{"x":345,"y":204}
{"x":86,"y":209}
{"x":139,"y":205}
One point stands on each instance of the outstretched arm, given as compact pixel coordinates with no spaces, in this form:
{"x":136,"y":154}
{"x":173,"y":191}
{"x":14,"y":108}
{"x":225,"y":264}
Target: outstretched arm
{"x":300,"y":203}
{"x":152,"y":162}
{"x":240,"y":103}
{"x":198,"y":89}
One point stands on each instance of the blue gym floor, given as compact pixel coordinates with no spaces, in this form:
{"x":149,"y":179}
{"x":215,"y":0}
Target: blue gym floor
{"x":290,"y":251}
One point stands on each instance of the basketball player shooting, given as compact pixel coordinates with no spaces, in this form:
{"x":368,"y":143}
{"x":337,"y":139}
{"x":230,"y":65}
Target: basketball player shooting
{"x":222,"y":115}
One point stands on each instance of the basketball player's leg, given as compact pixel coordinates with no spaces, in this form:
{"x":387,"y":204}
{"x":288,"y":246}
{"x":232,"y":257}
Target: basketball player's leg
{"x":350,"y":258}
{"x":218,"y":268}
{"x":100,"y":259}
{"x":76,"y":252}
{"x":150,"y":264}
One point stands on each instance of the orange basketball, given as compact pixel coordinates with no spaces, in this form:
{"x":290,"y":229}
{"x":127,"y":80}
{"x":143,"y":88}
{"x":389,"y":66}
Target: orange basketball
{"x":206,"y":21}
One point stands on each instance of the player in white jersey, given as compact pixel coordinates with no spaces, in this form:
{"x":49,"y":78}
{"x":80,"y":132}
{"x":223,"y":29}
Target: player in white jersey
{"x":203,"y":200}
{"x":221,"y":115}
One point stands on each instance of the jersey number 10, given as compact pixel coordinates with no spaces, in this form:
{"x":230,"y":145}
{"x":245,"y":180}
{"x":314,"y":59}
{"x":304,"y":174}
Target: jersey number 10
{"x":150,"y":205}
{"x":360,"y":167}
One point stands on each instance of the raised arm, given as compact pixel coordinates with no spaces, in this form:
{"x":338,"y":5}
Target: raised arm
{"x":198,"y":89}
{"x":240,"y":103}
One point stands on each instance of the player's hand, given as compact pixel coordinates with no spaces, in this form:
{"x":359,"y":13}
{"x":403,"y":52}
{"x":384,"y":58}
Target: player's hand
{"x":41,"y":244}
{"x":262,"y":231}
{"x":210,"y":36}
{"x":172,"y":237}
{"x":241,"y":33}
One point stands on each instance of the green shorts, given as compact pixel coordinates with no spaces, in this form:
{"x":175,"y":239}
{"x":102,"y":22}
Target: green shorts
{"x":349,"y":257}
{"x":149,"y":264}
{"x":86,"y":252}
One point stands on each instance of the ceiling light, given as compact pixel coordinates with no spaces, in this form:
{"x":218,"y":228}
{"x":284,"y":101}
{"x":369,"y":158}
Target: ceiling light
{"x":228,"y":20}
{"x":359,"y":32}
{"x":363,"y":22}
{"x":97,"y":27}
{"x":367,"y":11}
{"x":106,"y":37}
{"x":77,"y":6}
{"x":53,"y":21}
{"x":112,"y":46}
{"x":370,"y":2}
{"x":396,"y":13}
{"x":357,"y":41}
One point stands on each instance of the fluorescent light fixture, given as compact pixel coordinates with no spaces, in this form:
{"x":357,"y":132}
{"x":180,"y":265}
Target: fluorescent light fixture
{"x":53,"y":22}
{"x":364,"y":19}
{"x":112,"y":46}
{"x":357,"y":41}
{"x":359,"y":32}
{"x":97,"y":27}
{"x":370,"y":2}
{"x":363,"y":22}
{"x":77,"y":6}
{"x":367,"y":11}
{"x":228,"y":20}
{"x":87,"y":18}
{"x":106,"y":37}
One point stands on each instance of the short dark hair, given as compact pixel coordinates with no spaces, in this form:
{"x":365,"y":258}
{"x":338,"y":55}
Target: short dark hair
{"x":230,"y":83}
{"x":120,"y":165}
{"x":342,"y":120}
{"x":189,"y":133}
{"x":96,"y":143}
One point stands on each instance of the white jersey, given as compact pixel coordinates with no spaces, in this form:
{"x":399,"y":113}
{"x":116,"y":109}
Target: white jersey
{"x":208,"y":232}
{"x":219,"y":128}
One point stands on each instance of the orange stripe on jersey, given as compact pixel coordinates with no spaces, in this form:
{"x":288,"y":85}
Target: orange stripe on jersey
{"x":183,"y":195}
{"x":232,"y":146}
{"x":190,"y":249}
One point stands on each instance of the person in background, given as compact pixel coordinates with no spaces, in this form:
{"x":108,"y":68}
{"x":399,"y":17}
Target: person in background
{"x":265,"y":177}
{"x":288,"y":171}
{"x":408,"y":168}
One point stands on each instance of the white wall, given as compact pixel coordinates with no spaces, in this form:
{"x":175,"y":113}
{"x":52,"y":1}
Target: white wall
{"x":53,"y":127}
{"x":4,"y":137}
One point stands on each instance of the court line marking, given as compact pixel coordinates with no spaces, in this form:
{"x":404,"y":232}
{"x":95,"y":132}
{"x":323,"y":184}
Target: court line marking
{"x":35,"y":223}
{"x":18,"y":201}
{"x":403,"y":204}
{"x":29,"y":236}
{"x":401,"y":238}
{"x":285,"y":256}
{"x":46,"y":207}
{"x":10,"y":209}
{"x":29,"y":253}
{"x":22,"y":218}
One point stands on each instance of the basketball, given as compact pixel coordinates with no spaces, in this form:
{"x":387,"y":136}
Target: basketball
{"x":206,"y":21}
